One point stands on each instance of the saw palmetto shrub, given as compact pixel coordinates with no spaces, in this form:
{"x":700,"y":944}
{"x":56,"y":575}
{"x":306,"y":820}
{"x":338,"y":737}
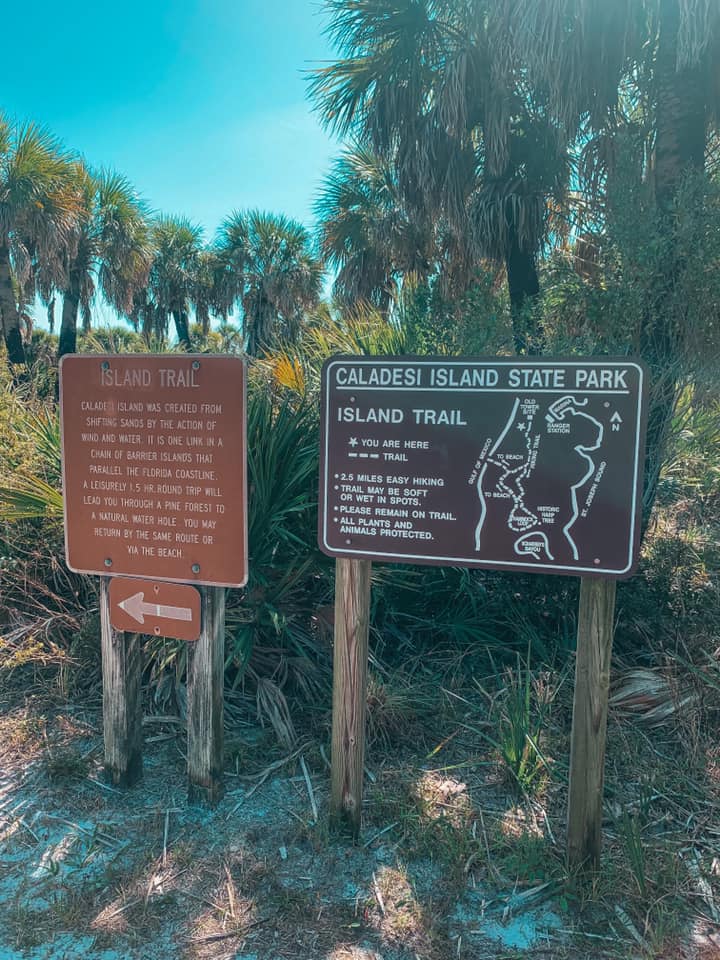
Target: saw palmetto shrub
{"x":452,"y":622}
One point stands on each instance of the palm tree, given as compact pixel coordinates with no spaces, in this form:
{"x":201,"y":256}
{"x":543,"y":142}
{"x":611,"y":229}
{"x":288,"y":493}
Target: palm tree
{"x":209,"y":271}
{"x":668,"y":52}
{"x":174,"y":282}
{"x":38,"y":207}
{"x":583,"y":55}
{"x":270,"y":271}
{"x":430,"y":86}
{"x":109,"y":248}
{"x":366,"y":233}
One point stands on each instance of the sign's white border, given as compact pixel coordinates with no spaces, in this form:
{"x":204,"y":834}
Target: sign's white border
{"x":519,"y":361}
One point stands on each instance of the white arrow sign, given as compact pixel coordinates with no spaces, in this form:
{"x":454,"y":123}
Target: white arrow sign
{"x":136,"y":607}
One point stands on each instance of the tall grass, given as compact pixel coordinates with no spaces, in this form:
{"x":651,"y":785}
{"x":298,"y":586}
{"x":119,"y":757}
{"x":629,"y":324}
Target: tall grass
{"x":455,"y":620}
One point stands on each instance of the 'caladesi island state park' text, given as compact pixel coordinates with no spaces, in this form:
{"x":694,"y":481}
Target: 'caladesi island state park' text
{"x":480,"y":377}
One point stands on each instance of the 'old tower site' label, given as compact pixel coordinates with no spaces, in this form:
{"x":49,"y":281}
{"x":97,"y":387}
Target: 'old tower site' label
{"x":508,"y":464}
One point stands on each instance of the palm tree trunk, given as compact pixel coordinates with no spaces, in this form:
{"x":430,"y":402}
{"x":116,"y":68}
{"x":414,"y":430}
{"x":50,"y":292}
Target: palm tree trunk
{"x":182,"y":328}
{"x":523,"y":288}
{"x":159,"y":322}
{"x":681,"y":111}
{"x":68,"y":323}
{"x":264,"y":326}
{"x":250,"y":338}
{"x":258,"y":325}
{"x":9,"y":311}
{"x":148,"y":326}
{"x":681,"y":126}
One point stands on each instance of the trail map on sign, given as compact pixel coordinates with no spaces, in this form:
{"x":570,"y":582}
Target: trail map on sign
{"x":511,"y":464}
{"x":534,"y":434}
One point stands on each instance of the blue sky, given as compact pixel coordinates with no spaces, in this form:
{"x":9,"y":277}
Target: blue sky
{"x":201,"y":103}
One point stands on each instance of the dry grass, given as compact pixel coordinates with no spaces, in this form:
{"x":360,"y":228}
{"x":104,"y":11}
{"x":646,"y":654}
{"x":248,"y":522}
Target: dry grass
{"x":21,"y":736}
{"x":401,"y":919}
{"x":452,"y":857}
{"x":441,"y":829}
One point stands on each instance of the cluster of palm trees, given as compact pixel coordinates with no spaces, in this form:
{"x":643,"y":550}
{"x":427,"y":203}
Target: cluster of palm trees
{"x":69,"y":232}
{"x":496,"y":128}
{"x":489,"y":129}
{"x":477,"y":132}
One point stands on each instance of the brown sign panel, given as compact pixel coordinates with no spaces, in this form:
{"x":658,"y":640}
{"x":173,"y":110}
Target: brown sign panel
{"x":509,"y":464}
{"x":154,"y":466}
{"x":155,"y":607}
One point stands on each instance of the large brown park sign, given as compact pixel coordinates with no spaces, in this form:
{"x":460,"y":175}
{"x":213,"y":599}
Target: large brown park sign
{"x":510,"y":464}
{"x":154,"y":466}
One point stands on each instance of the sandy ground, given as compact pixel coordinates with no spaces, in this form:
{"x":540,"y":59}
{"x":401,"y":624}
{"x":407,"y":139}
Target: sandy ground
{"x":89,"y":872}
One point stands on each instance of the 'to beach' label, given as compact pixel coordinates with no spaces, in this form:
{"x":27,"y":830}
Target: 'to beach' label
{"x":509,"y":464}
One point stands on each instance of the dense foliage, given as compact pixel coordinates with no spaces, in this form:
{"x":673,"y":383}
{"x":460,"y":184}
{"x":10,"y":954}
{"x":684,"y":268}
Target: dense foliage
{"x":516,"y":177}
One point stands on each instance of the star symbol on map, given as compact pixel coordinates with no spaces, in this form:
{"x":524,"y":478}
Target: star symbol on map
{"x":353,"y":441}
{"x":521,"y":426}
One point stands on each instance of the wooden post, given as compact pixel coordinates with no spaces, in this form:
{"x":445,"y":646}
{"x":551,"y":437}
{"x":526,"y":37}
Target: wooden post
{"x":587,"y":751}
{"x":122,"y":697}
{"x":205,"y":677}
{"x":350,"y":660}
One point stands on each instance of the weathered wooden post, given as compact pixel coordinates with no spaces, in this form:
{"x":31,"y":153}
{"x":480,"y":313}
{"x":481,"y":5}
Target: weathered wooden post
{"x":155,"y":497}
{"x":122,"y":701}
{"x":596,"y":614}
{"x":350,"y":661}
{"x":205,"y":710}
{"x":526,"y":464}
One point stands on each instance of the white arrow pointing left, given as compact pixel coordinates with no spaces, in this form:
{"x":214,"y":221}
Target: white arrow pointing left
{"x":136,"y":607}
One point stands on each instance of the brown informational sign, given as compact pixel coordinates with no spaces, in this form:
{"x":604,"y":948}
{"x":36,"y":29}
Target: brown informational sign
{"x":155,"y":607}
{"x":154,"y":473}
{"x":509,"y":464}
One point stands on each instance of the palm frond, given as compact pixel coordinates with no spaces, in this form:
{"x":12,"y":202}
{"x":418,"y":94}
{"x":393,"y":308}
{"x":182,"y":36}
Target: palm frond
{"x":28,"y":497}
{"x":267,"y":266}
